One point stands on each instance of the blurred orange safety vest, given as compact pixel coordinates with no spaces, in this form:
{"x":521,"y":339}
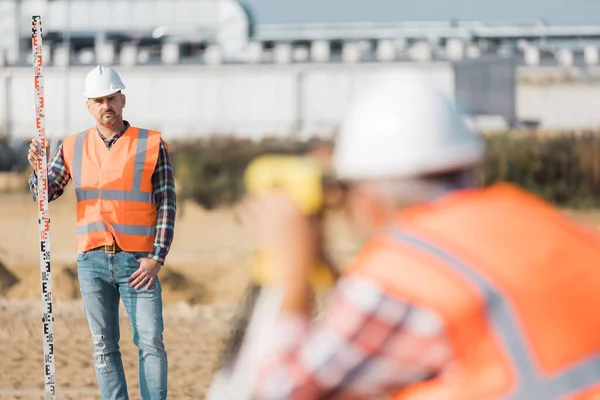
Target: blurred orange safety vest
{"x":516,"y":284}
{"x":114,"y":188}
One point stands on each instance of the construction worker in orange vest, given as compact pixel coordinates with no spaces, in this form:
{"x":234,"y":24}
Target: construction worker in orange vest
{"x":126,"y":209}
{"x":460,"y":293}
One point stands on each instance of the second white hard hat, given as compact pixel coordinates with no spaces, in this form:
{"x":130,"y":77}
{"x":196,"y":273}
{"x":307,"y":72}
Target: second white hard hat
{"x":102,"y":81}
{"x":403,"y":126}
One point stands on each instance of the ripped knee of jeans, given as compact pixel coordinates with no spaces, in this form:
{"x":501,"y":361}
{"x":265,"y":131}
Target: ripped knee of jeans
{"x":98,"y":341}
{"x":100,"y":355}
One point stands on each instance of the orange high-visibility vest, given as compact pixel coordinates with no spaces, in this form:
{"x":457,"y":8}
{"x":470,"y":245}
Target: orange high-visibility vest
{"x":114,"y":188}
{"x":516,"y":284}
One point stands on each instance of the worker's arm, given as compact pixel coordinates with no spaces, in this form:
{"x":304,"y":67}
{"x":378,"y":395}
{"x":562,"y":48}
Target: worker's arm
{"x":164,"y":196}
{"x":58,"y":177}
{"x":367,"y":345}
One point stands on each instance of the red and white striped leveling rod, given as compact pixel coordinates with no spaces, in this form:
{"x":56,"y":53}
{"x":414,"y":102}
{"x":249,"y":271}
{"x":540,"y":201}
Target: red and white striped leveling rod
{"x":44,"y":216}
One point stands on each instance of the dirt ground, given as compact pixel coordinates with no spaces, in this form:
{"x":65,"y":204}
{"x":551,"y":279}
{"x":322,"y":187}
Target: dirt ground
{"x":203,"y":280}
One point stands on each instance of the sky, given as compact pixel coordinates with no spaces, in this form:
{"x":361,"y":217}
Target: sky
{"x":555,"y":12}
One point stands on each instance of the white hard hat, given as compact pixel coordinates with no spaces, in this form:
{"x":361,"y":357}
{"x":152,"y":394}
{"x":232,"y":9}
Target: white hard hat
{"x":102,"y":81}
{"x":403,"y":126}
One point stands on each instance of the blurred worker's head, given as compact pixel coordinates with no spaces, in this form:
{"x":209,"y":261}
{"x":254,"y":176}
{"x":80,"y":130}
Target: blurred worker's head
{"x":105,"y":99}
{"x":401,"y":143}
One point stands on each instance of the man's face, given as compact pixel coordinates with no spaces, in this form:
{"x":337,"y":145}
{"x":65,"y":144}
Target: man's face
{"x":366,"y":209}
{"x":107,"y":110}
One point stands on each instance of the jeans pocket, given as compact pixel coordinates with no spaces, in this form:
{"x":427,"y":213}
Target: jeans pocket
{"x":153,"y":287}
{"x":82,"y":255}
{"x":142,"y":292}
{"x":138,"y":254}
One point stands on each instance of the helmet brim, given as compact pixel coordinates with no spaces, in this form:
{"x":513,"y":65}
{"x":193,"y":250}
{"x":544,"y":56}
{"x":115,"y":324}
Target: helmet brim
{"x":95,"y":95}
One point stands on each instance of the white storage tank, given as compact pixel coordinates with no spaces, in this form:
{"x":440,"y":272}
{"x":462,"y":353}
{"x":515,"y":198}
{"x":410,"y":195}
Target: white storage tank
{"x":591,"y":55}
{"x":386,"y":50}
{"x":320,"y":51}
{"x":282,"y":53}
{"x":128,"y":54}
{"x":351,"y":52}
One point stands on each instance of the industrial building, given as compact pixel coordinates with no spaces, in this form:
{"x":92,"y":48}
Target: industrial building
{"x":207,"y":67}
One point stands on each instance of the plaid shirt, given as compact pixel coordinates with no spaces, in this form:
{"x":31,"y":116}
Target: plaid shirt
{"x":162,"y":183}
{"x":368,"y":345}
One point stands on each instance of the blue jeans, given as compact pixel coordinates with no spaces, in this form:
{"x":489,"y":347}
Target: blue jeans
{"x":103,"y":281}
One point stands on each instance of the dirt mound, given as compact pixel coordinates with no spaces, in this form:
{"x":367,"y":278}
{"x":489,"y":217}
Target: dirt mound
{"x":7,"y":279}
{"x":175,"y":286}
{"x":65,"y":283}
{"x":178,"y":287}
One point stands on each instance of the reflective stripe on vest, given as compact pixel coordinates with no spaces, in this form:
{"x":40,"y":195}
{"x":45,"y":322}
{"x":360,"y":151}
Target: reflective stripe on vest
{"x":135,"y":194}
{"x":531,"y":384}
{"x":122,"y":229}
{"x":111,"y":194}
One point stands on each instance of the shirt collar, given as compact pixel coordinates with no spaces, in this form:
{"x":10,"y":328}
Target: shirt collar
{"x":114,"y":138}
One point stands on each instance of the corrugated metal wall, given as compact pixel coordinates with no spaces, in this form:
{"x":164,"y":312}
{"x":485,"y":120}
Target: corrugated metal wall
{"x":493,"y":81}
{"x":561,"y":105}
{"x":254,"y":101}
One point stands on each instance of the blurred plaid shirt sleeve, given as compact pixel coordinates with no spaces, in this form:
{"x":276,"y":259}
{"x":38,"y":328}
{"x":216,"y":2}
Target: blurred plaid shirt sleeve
{"x":162,"y":183}
{"x":367,"y":345}
{"x":58,"y":177}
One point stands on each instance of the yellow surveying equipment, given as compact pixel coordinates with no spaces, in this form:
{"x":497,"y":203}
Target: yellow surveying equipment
{"x":302,"y":180}
{"x":299,"y":177}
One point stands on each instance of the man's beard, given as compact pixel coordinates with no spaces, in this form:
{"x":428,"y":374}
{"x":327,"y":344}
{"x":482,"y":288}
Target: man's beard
{"x":109,"y":118}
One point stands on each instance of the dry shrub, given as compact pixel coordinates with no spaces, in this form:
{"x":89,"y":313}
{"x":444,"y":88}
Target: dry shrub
{"x":7,"y":279}
{"x":562,"y":167}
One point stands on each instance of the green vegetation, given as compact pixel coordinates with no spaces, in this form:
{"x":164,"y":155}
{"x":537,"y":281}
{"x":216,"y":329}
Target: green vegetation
{"x":563,"y":168}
